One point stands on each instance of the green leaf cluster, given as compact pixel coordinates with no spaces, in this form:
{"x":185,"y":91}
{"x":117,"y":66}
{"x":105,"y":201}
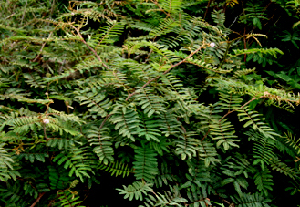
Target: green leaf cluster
{"x":161,"y":93}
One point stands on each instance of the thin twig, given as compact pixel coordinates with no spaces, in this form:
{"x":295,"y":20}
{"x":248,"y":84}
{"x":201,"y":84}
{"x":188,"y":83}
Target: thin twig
{"x":208,"y":5}
{"x":161,"y":9}
{"x":24,"y":13}
{"x":250,"y":101}
{"x":45,"y":131}
{"x":52,"y":8}
{"x":229,"y":112}
{"x":183,"y":129}
{"x":205,"y":134}
{"x":44,"y":44}
{"x":92,"y":49}
{"x":38,"y":199}
{"x":245,"y":43}
{"x":103,"y":122}
{"x":10,"y":16}
{"x":173,"y":66}
{"x":245,"y":104}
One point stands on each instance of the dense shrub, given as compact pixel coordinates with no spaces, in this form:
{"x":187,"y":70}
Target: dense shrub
{"x":161,"y":103}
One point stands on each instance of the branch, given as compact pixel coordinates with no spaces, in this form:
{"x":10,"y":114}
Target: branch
{"x":229,"y":112}
{"x":250,"y":101}
{"x":38,"y":198}
{"x":208,"y":5}
{"x":161,"y":9}
{"x":41,"y":50}
{"x":92,"y":49}
{"x":245,"y":104}
{"x":103,"y":122}
{"x":173,"y":66}
{"x":206,"y":134}
{"x":45,"y":131}
{"x":245,"y":43}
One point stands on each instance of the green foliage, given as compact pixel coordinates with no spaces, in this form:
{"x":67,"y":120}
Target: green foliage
{"x":12,"y":194}
{"x":58,"y":178}
{"x":145,"y":164}
{"x":251,"y":200}
{"x":68,"y":198}
{"x":171,"y":197}
{"x":264,"y":181}
{"x":101,"y":139}
{"x":79,"y":161}
{"x":260,"y":55}
{"x":136,"y":190}
{"x":126,"y":121}
{"x":7,"y":165}
{"x":117,"y":168}
{"x":164,"y":93}
{"x":255,"y":13}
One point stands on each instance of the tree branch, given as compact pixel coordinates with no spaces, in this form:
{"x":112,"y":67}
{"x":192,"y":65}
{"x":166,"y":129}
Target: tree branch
{"x":208,"y":5}
{"x":173,"y":66}
{"x":245,"y":104}
{"x":92,"y":49}
{"x":103,"y":122}
{"x":38,"y":199}
{"x":205,"y":134}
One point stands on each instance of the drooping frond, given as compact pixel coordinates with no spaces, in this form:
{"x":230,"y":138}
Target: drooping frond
{"x":269,"y":51}
{"x":264,"y":181}
{"x":116,"y":168}
{"x":292,"y":141}
{"x":222,"y":131}
{"x":97,"y":103}
{"x":7,"y":170}
{"x":149,"y":130}
{"x":136,"y":190}
{"x":165,"y":175}
{"x":100,"y":139}
{"x":186,"y":144}
{"x":126,"y":121}
{"x":145,"y":165}
{"x":68,"y":198}
{"x":263,"y":148}
{"x":249,"y":200}
{"x":78,"y":161}
{"x":281,"y":167}
{"x":149,"y":102}
{"x":171,"y":197}
{"x":159,"y":92}
{"x":252,"y":119}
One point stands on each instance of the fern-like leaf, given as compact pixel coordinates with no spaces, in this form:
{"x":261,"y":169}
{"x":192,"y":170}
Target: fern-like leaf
{"x":145,"y":165}
{"x":250,"y":200}
{"x":186,"y":145}
{"x":7,"y":165}
{"x":101,"y":140}
{"x":126,"y":121}
{"x":78,"y":161}
{"x":264,"y":181}
{"x":136,"y":190}
{"x":116,"y":168}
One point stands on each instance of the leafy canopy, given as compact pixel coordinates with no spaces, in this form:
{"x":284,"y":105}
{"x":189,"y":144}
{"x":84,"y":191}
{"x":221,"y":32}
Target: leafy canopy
{"x":157,"y":92}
